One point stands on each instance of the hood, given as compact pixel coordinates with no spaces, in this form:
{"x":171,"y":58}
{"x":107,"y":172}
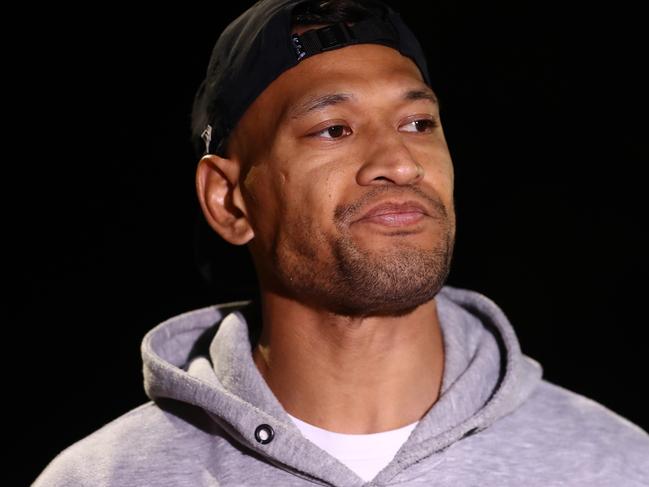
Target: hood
{"x":203,"y":357}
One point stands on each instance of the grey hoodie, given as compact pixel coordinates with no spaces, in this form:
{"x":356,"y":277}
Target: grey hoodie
{"x":496,"y":422}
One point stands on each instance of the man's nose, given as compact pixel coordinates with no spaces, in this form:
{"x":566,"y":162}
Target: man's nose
{"x":388,"y":159}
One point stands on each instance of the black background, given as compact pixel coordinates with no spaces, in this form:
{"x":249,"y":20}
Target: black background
{"x":544,"y":112}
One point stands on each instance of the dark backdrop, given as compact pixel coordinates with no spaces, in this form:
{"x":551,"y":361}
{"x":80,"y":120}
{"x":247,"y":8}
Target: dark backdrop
{"x":544,"y":110}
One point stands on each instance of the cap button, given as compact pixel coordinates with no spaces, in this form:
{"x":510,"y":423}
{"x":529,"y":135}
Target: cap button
{"x":264,"y":434}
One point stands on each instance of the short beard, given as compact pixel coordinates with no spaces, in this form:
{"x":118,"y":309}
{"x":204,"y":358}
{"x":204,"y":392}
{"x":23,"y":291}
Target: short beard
{"x":357,"y":283}
{"x":391,"y":283}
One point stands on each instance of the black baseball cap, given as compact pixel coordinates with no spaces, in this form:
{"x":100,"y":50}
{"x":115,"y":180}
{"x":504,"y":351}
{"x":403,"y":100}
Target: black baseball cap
{"x":257,"y":47}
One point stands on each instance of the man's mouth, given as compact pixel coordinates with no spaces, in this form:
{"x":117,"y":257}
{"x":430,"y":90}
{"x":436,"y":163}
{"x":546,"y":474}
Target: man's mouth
{"x":395,"y":214}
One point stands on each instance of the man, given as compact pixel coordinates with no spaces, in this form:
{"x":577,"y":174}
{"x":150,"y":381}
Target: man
{"x":323,"y":151}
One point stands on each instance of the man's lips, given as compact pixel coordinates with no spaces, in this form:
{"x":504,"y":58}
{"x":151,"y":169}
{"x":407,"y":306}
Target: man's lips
{"x":393,"y":213}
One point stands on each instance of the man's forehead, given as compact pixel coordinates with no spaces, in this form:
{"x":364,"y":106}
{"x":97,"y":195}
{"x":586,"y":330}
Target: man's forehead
{"x":320,"y":99}
{"x":346,"y":76}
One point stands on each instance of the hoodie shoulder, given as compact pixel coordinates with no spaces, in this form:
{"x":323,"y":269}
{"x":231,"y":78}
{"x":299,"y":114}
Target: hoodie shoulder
{"x":574,"y":408}
{"x":132,"y":449}
{"x":77,"y":464}
{"x":589,"y":424}
{"x":605,"y":444}
{"x":564,"y":435}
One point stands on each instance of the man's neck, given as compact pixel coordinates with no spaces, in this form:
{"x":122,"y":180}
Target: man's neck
{"x":357,"y":376}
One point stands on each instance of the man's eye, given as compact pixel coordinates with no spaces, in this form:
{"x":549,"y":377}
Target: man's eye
{"x":422,"y":125}
{"x":333,"y":131}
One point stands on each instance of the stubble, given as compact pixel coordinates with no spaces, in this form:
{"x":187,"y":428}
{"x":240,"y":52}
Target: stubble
{"x":338,"y":274}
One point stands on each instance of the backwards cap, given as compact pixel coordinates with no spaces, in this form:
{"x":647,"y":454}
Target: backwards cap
{"x":257,"y":47}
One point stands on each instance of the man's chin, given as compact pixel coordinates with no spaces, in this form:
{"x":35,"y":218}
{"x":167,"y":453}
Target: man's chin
{"x":382,"y":297}
{"x":388,"y":306}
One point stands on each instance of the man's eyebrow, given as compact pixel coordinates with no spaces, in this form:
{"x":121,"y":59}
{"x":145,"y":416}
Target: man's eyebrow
{"x":329,"y":99}
{"x":319,"y":102}
{"x":421,"y":95}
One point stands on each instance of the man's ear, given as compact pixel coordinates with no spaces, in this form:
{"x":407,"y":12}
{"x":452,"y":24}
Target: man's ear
{"x":219,"y":193}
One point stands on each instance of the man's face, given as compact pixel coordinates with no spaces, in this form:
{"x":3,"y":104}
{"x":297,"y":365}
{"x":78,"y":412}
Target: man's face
{"x":313,"y":174}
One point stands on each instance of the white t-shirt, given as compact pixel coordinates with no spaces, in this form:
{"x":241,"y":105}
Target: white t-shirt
{"x":364,"y":454}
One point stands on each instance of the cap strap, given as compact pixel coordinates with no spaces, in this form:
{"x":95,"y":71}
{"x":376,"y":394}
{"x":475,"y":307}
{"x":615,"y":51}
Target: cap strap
{"x":372,"y":30}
